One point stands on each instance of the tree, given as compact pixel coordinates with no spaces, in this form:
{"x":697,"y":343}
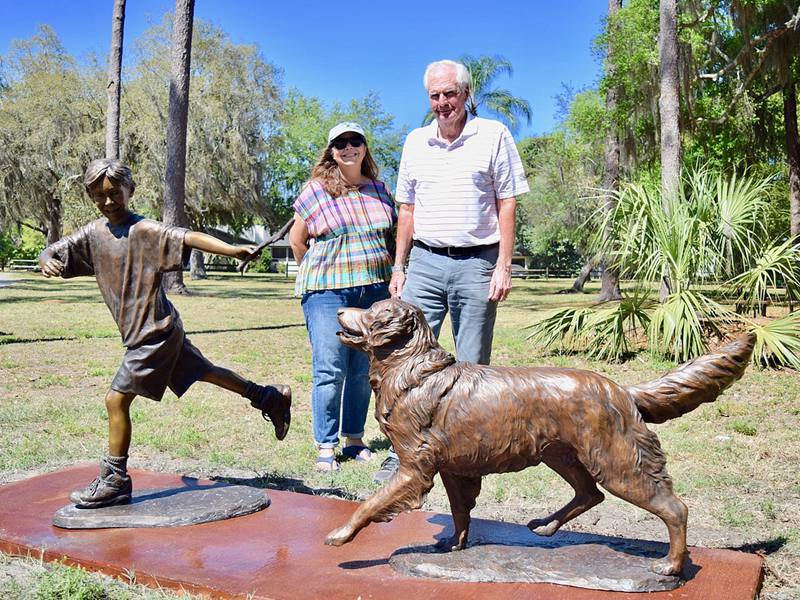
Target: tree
{"x":565,"y":170}
{"x":51,"y":117}
{"x":302,"y":134}
{"x":175,"y":177}
{"x":669,"y":99}
{"x":792,"y":153}
{"x":501,"y":103}
{"x":609,"y":285}
{"x":114,"y":87}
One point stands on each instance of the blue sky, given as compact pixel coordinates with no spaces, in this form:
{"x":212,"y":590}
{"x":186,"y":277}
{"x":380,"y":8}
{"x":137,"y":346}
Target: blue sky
{"x":342,"y":50}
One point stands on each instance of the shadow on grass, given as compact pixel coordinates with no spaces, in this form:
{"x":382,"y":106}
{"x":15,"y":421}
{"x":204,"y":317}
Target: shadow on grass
{"x":379,"y":443}
{"x":762,"y":547}
{"x":272,"y":481}
{"x":86,"y":298}
{"x":16,"y":340}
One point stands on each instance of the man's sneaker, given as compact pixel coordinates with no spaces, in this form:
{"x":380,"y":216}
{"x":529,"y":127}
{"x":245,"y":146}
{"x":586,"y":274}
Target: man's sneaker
{"x":388,"y":468}
{"x":108,"y":489}
{"x":275,"y":404}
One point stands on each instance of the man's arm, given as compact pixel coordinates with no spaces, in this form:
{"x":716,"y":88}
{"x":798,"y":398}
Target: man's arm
{"x":500,"y":285}
{"x":298,"y":238}
{"x":208,"y":243}
{"x":405,"y":232}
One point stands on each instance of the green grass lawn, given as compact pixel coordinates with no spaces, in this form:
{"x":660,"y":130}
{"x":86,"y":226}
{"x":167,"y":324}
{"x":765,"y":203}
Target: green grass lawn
{"x":734,"y":462}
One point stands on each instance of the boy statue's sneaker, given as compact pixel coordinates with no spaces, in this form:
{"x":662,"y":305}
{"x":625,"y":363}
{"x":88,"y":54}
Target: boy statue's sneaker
{"x":389,"y":467}
{"x":108,"y":489}
{"x":275,"y":404}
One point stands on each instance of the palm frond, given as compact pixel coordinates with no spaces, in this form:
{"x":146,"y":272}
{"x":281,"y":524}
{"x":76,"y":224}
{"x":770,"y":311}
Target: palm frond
{"x":505,"y":105}
{"x":681,"y":324}
{"x":776,"y":267}
{"x":606,"y":331}
{"x":778,"y":342}
{"x":565,"y":329}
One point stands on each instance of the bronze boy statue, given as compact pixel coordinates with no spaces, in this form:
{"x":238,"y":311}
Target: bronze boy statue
{"x":128,"y":255}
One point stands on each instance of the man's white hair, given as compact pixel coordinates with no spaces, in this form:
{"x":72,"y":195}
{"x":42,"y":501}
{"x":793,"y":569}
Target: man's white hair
{"x":462,"y":74}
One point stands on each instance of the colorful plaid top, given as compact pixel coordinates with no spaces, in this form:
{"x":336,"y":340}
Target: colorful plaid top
{"x":349,"y":237}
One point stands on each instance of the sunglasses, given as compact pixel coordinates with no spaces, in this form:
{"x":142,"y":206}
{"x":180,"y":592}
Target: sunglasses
{"x":341,"y":143}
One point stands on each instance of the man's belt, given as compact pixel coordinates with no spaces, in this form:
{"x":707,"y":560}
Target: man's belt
{"x":456,"y":250}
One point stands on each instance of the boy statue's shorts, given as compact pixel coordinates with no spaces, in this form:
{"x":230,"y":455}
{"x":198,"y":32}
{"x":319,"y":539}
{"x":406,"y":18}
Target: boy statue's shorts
{"x":168,"y":360}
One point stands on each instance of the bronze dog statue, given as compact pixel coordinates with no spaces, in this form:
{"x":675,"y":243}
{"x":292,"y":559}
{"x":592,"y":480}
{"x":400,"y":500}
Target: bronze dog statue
{"x":465,"y":420}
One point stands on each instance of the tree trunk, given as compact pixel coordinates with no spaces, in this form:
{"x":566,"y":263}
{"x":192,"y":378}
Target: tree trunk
{"x":584,"y":276}
{"x":114,"y":86}
{"x":175,"y":180}
{"x":792,"y":153}
{"x":609,"y":287}
{"x":53,"y":221}
{"x":197,"y":265}
{"x":669,"y":111}
{"x":669,"y":100}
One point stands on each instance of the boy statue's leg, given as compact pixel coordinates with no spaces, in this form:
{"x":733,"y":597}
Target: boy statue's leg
{"x":113,"y":485}
{"x":274,"y":401}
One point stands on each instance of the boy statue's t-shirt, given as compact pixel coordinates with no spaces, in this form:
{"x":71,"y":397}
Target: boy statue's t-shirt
{"x":128,"y":261}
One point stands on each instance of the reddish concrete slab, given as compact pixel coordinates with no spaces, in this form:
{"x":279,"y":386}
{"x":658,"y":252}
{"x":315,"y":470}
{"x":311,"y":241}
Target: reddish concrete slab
{"x":279,"y":552}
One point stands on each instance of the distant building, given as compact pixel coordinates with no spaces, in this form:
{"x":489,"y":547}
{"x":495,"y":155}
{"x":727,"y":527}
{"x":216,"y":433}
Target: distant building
{"x":256,"y":234}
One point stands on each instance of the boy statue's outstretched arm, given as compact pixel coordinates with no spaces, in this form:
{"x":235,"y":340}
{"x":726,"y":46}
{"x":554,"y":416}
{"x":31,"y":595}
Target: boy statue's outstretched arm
{"x":208,"y":243}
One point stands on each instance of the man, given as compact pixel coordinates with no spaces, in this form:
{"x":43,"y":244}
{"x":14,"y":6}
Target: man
{"x":456,"y":190}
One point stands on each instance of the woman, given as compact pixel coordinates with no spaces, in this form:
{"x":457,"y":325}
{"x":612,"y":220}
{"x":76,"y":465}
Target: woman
{"x":347,"y":213}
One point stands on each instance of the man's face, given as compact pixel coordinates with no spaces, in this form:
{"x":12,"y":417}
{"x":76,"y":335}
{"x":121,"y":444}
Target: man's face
{"x":111,"y":199}
{"x":447,"y":103}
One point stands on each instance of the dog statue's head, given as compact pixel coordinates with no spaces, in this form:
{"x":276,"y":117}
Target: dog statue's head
{"x":386,"y":327}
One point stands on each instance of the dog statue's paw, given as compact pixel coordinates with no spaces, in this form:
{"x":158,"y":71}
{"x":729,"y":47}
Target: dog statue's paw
{"x":544,"y":527}
{"x":665,"y":566}
{"x":339,"y":536}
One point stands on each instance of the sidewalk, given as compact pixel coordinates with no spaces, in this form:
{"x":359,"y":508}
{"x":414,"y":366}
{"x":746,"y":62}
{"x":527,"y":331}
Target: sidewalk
{"x":6,"y":280}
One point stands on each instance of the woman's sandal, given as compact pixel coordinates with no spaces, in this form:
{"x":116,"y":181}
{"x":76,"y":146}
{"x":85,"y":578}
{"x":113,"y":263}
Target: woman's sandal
{"x":326,"y":464}
{"x":356,"y":452}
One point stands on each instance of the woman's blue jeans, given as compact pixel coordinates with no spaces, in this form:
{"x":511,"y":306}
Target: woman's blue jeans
{"x":340,"y":373}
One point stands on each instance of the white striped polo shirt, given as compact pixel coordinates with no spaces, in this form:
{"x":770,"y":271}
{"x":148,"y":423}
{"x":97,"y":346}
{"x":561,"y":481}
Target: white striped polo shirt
{"x":454,"y":187}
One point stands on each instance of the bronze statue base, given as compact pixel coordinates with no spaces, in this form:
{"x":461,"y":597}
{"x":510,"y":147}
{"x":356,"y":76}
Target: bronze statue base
{"x":168,"y":507}
{"x":278,"y":553}
{"x":596,"y":563}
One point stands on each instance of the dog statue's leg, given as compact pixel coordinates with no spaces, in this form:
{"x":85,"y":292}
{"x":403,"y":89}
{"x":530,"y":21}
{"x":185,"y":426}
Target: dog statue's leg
{"x":462,"y":492}
{"x":586,"y":493}
{"x":659,"y":499}
{"x":405,"y":491}
{"x":674,"y":514}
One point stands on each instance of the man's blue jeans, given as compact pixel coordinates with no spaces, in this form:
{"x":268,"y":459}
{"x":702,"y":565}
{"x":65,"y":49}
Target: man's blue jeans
{"x":340,"y":373}
{"x":459,"y":284}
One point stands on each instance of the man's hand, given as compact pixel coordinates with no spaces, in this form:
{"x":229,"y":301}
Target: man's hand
{"x":52,"y":267}
{"x":396,"y":284}
{"x":500,"y":285}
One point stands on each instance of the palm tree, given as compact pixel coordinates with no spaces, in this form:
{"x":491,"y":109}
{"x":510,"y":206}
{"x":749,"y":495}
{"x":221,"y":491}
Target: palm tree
{"x":501,"y":103}
{"x":710,"y":242}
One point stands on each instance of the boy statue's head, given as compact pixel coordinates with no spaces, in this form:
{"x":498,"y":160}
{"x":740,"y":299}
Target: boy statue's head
{"x":109,"y":183}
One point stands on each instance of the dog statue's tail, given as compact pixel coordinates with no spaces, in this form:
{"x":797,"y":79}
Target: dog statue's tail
{"x":691,"y":384}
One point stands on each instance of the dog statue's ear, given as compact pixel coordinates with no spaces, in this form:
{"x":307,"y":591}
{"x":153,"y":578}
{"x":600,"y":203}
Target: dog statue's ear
{"x":394,"y":321}
{"x":406,"y":322}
